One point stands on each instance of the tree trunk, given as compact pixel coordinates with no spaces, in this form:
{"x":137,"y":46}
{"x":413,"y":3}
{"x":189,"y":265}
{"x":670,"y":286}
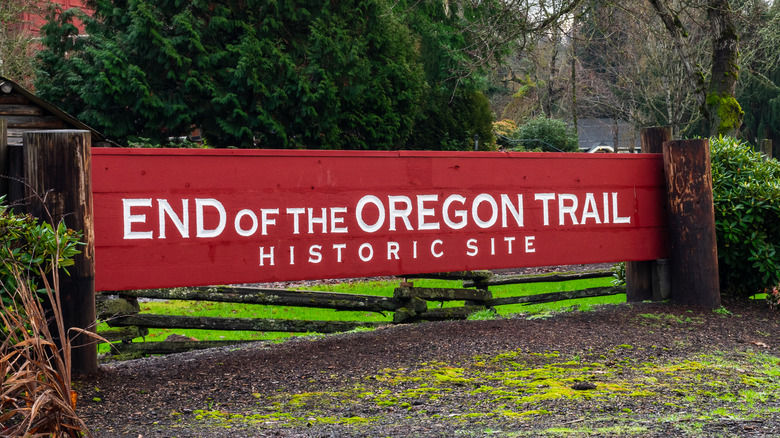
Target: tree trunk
{"x":723,"y":110}
{"x":718,"y":104}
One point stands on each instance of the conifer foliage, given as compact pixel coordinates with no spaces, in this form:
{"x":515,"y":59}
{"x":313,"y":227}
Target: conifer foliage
{"x":249,"y":73}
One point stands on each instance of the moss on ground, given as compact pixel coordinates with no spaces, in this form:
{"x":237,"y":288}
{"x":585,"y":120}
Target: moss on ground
{"x":613,"y":392}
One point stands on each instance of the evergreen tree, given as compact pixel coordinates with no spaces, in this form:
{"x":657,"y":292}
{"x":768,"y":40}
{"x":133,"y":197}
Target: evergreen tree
{"x":759,"y":88}
{"x":455,"y":108}
{"x":286,"y":74}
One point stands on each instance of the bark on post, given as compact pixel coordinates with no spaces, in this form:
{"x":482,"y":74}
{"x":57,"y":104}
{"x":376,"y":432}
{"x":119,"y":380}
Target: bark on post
{"x":766,"y":148}
{"x":639,"y":275}
{"x":694,"y":254}
{"x":58,"y":171}
{"x":15,"y":154}
{"x":3,"y":159}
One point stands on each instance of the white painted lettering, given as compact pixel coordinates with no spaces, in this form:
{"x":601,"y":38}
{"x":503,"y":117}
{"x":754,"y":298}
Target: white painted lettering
{"x":264,"y":256}
{"x":615,"y":218}
{"x":591,"y":210}
{"x":182,"y":224}
{"x":392,"y":250}
{"x":337,"y":220}
{"x":201,"y":231}
{"x":296,"y":212}
{"x":322,"y":220}
{"x":435,"y":253}
{"x":237,"y":223}
{"x":509,"y":241}
{"x":484,"y":197}
{"x":130,"y":219}
{"x":365,"y":200}
{"x":564,"y":209}
{"x":366,"y":246}
{"x":471,"y":244}
{"x":423,"y":212}
{"x":508,"y":207}
{"x":545,"y":198}
{"x":394,"y":212}
{"x":315,"y":256}
{"x":339,"y":247}
{"x":460,"y":214}
{"x":529,"y":244}
{"x":266,"y":220}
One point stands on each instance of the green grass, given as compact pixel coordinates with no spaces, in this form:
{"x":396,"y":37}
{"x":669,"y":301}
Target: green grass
{"x":380,"y":288}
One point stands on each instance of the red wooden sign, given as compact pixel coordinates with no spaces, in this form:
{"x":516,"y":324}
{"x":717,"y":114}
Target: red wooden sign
{"x":170,"y":217}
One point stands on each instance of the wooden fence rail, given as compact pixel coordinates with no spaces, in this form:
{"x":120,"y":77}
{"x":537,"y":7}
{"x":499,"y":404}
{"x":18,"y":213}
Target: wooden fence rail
{"x":282,"y":297}
{"x":408,"y":304}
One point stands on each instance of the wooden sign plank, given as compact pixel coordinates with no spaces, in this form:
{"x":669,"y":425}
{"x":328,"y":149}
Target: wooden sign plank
{"x":171,"y":217}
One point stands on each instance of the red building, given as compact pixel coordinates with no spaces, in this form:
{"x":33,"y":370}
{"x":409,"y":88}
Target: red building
{"x":35,"y":21}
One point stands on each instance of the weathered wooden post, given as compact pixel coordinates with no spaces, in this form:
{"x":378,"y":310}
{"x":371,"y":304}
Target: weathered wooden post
{"x":3,"y":158}
{"x":16,"y":191}
{"x":766,"y":148}
{"x":639,"y":275}
{"x":58,"y":171}
{"x":694,"y":253}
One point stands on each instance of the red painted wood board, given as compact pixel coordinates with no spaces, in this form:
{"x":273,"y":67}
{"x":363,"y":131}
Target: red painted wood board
{"x":182,"y":217}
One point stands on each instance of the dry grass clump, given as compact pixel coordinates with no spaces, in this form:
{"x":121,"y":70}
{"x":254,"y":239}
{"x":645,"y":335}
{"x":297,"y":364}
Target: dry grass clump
{"x":36,"y":398}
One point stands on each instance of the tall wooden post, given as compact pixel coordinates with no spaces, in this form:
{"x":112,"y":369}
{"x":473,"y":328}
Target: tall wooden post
{"x":639,"y":275}
{"x":694,"y":253}
{"x":3,"y":158}
{"x":16,"y":191}
{"x":58,"y":171}
{"x":766,"y":148}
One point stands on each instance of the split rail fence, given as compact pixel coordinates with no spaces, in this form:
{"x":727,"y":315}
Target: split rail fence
{"x":409,"y":304}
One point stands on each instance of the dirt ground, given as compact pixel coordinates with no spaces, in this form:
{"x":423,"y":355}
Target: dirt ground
{"x":645,"y":369}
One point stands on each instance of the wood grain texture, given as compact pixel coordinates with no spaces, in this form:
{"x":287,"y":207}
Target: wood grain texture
{"x":58,"y":173}
{"x":694,"y":253}
{"x":312,"y":201}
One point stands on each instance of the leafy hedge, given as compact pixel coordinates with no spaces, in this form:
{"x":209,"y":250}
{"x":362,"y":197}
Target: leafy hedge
{"x":28,"y":247}
{"x":547,"y":135}
{"x":746,"y":193}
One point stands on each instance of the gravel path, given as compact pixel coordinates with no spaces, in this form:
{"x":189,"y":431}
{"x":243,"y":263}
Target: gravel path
{"x":624,"y":370}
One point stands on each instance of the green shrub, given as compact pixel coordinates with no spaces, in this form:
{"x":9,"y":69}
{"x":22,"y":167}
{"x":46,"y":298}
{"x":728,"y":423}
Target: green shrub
{"x":773,"y":297}
{"x":746,"y":194}
{"x":450,"y":121}
{"x":541,"y":133}
{"x":28,"y":248}
{"x":37,"y":396}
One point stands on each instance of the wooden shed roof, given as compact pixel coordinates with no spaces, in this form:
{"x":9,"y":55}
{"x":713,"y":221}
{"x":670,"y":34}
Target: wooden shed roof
{"x":24,"y":111}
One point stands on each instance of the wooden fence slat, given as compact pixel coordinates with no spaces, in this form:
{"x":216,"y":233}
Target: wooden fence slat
{"x":440,"y":294}
{"x":459,"y":275}
{"x":171,"y":347}
{"x":282,"y":297}
{"x":123,"y":333}
{"x":248,"y":324}
{"x":539,"y":278}
{"x":448,"y":313}
{"x":557,"y":296}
